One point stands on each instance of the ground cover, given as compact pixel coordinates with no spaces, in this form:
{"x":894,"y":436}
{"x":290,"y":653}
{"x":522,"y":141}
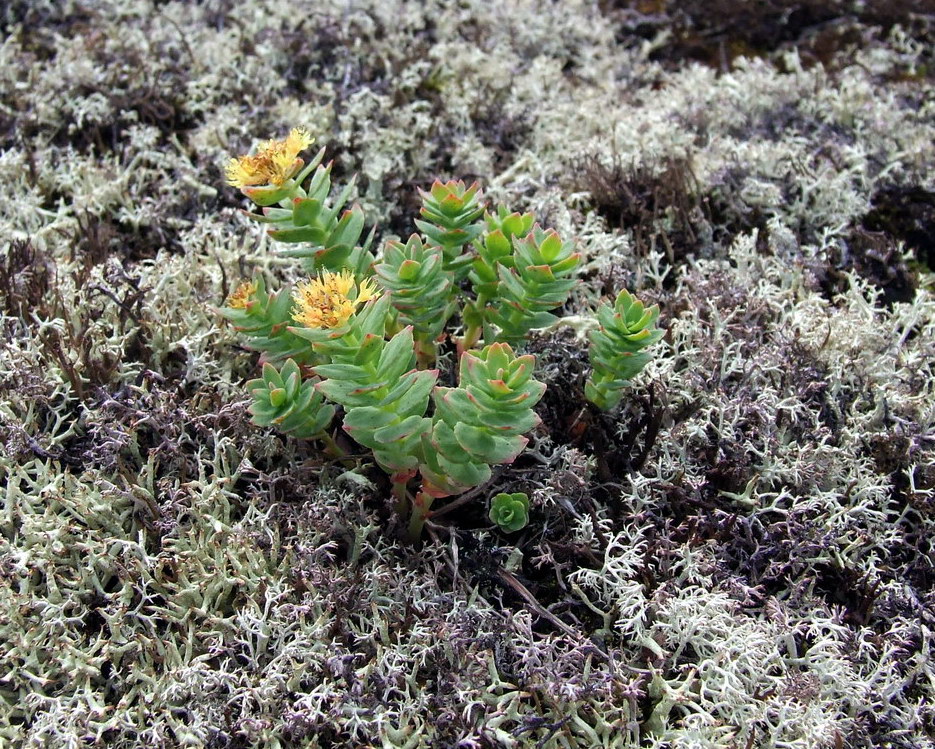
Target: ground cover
{"x":740,"y":555}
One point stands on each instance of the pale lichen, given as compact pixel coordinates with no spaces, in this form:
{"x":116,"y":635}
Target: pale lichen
{"x":740,"y":556}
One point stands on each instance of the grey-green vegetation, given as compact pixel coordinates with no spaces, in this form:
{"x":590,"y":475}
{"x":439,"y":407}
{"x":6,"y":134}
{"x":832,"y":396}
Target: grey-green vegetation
{"x":740,"y":555}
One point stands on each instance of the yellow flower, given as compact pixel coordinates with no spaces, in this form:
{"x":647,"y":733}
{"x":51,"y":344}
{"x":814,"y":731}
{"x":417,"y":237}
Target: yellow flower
{"x":274,"y":162}
{"x":329,"y":300}
{"x":242,"y":295}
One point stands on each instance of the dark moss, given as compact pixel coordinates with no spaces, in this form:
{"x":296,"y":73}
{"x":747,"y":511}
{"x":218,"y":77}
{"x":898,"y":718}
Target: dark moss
{"x":847,"y":588}
{"x":139,"y":88}
{"x":899,"y":217}
{"x":808,"y":378}
{"x":905,"y":214}
{"x":503,"y":134}
{"x":717,"y":32}
{"x":25,"y":275}
{"x":642,"y":198}
{"x":876,"y":257}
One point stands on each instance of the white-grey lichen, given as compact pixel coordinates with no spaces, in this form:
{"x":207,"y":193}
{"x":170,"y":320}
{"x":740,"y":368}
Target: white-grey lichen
{"x":171,"y":576}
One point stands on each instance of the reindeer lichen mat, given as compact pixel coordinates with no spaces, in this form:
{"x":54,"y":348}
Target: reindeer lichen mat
{"x":363,"y":332}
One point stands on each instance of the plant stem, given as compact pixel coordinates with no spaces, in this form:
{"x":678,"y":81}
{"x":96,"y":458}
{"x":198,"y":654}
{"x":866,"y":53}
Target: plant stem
{"x":463,"y":498}
{"x":517,"y":316}
{"x":470,"y":339}
{"x":402,"y":496}
{"x":333,"y":449}
{"x":420,"y":513}
{"x":425,"y":353}
{"x":473,"y":332}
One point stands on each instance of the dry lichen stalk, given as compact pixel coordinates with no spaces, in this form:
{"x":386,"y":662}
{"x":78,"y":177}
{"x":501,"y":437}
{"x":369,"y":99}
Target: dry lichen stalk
{"x":748,"y":536}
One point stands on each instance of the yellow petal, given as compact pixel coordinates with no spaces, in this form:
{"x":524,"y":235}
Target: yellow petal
{"x":274,"y":162}
{"x":368,"y":290}
{"x":242,"y":295}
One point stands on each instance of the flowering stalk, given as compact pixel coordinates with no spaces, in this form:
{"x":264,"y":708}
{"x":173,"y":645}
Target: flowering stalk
{"x":274,"y":172}
{"x":274,"y":176}
{"x":383,"y":396}
{"x":264,"y":318}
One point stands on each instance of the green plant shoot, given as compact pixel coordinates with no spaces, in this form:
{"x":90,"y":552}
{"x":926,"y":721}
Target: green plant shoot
{"x":363,"y":332}
{"x":510,"y":512}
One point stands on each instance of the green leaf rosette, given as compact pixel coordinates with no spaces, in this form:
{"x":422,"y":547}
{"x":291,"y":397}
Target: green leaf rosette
{"x":510,"y":511}
{"x":617,"y":350}
{"x":283,"y":400}
{"x":540,"y":280}
{"x":480,"y":422}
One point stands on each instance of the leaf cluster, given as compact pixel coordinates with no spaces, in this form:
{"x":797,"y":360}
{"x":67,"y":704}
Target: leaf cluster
{"x":618,"y":349}
{"x":282,"y":399}
{"x":501,"y":271}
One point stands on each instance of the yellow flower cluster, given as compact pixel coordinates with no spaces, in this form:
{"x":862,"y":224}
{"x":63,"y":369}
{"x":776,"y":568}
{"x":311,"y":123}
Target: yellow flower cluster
{"x":274,"y":162}
{"x":329,"y":300}
{"x":242,"y":295}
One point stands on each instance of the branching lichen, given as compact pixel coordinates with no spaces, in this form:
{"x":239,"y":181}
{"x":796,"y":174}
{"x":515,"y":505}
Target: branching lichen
{"x":741,"y":555}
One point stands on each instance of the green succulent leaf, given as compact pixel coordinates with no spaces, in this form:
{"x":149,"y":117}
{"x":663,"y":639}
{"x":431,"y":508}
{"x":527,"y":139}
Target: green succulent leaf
{"x":283,"y":400}
{"x":267,"y":195}
{"x":510,"y":511}
{"x":617,"y":351}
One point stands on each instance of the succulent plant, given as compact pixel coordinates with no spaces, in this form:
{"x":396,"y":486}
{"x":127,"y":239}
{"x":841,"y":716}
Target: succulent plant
{"x":282,"y":399}
{"x":510,"y":511}
{"x":451,"y":211}
{"x":332,"y":236}
{"x":272,"y":178}
{"x":494,"y":251}
{"x":480,"y":422}
{"x":384,"y":398}
{"x":618,"y":348}
{"x":495,"y":248}
{"x":420,"y":286}
{"x":539,"y":281}
{"x":371,"y":350}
